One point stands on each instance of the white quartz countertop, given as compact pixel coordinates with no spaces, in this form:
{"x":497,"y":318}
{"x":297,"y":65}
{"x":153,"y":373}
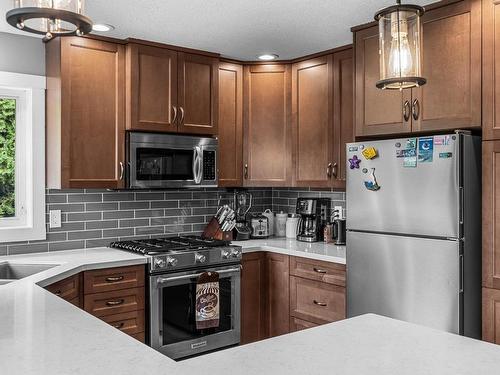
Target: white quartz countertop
{"x":314,"y":250}
{"x":44,"y":335}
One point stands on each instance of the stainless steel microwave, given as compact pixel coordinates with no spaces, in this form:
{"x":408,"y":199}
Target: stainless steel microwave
{"x":158,"y":160}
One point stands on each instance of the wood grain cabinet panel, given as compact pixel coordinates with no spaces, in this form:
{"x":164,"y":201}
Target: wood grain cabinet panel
{"x":491,"y":69}
{"x":69,"y":289}
{"x":299,"y":324}
{"x":327,"y":272}
{"x":130,"y":323}
{"x":115,"y":302}
{"x":198,"y":93}
{"x":85,"y":113}
{"x":267,"y":132}
{"x":278,"y":307}
{"x":151,"y":88}
{"x":109,"y":279}
{"x":230,"y":125}
{"x":491,"y":315}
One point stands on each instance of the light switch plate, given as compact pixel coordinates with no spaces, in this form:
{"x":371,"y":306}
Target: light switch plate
{"x":55,"y":218}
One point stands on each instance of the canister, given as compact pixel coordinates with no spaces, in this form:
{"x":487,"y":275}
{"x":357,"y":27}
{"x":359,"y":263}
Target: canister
{"x":280,"y":224}
{"x":292,"y":225}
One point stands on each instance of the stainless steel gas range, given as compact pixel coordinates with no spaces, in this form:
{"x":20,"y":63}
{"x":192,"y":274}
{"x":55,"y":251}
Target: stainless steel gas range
{"x":175,"y":263}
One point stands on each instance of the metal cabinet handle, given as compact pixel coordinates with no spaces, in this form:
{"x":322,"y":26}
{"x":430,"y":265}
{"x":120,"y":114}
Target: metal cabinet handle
{"x":58,"y":293}
{"x":119,"y":325}
{"x":122,"y":170}
{"x":406,"y":110}
{"x":322,"y":304}
{"x":334,"y":170}
{"x":246,"y":171}
{"x":415,"y":111}
{"x":114,"y":279}
{"x":115,"y":303}
{"x":319,"y":270}
{"x":328,"y":170}
{"x":181,"y":121}
{"x":175,"y":114}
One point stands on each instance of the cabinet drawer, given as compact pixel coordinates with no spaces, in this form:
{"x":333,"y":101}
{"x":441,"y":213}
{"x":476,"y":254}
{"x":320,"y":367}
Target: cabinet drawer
{"x":68,"y":289}
{"x":139,"y":336}
{"x":116,"y":302}
{"x":299,"y":324}
{"x":130,"y":322}
{"x":331,"y":273}
{"x":316,"y":301}
{"x":110,"y":279}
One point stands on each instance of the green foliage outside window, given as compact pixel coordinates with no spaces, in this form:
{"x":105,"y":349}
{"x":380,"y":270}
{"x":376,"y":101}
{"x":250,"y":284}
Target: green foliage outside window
{"x":7,"y":157}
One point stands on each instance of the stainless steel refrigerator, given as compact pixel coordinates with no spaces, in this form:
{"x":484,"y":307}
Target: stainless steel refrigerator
{"x":414,"y":230}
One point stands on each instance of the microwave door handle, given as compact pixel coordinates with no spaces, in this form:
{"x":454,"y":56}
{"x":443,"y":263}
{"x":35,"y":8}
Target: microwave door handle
{"x":197,"y":164}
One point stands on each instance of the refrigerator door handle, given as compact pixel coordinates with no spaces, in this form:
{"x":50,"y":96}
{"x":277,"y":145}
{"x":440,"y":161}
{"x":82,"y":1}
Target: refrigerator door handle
{"x":461,"y":202}
{"x":461,"y":283}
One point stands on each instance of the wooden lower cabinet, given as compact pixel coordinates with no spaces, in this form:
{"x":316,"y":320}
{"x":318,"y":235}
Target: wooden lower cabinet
{"x":297,"y":324}
{"x":278,"y":294}
{"x":491,"y":315}
{"x":68,"y":289}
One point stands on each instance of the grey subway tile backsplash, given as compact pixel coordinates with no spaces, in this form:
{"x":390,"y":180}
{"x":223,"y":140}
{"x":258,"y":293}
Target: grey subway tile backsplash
{"x":96,"y":217}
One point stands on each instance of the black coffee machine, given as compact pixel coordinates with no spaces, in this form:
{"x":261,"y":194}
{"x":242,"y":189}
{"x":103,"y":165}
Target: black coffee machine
{"x":313,"y":218}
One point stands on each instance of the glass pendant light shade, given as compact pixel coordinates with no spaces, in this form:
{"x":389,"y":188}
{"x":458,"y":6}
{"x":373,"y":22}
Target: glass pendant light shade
{"x":50,"y":17}
{"x":400,"y":39}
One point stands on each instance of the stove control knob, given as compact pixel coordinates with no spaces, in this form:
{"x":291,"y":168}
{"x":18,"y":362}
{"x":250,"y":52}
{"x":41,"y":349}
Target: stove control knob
{"x":171,"y":261}
{"x":160,"y":263}
{"x":225,"y":254}
{"x":235,"y":253}
{"x":200,"y":258}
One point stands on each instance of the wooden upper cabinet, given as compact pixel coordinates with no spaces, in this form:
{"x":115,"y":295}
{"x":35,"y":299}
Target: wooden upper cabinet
{"x":151,"y":88}
{"x":197,"y":96}
{"x":491,"y":69}
{"x":491,"y":214}
{"x":85,"y":113}
{"x":230,"y":124}
{"x":312,"y":121}
{"x":377,"y":111}
{"x":266,"y":118}
{"x":451,"y":98}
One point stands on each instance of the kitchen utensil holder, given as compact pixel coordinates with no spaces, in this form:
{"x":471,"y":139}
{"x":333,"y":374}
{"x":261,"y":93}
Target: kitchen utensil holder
{"x":214,"y":231}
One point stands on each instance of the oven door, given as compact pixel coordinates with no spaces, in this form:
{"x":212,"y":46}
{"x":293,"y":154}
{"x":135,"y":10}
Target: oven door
{"x":172,"y":314}
{"x":168,"y":161}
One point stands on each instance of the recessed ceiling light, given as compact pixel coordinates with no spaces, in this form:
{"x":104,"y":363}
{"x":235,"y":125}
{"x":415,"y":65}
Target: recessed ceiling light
{"x":102,"y":27}
{"x":268,"y":57}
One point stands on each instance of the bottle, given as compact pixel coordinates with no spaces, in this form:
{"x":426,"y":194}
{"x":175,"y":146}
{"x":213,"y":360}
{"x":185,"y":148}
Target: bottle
{"x":328,"y":233}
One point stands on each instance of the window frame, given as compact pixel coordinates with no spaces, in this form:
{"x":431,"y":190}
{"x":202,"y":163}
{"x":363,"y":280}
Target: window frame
{"x":29,"y":222}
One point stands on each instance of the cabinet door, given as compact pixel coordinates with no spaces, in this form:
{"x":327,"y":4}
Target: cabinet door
{"x":451,"y":98}
{"x":312,"y":121}
{"x":377,"y":111}
{"x":253,"y":298}
{"x":343,"y":95}
{"x":278,"y":307}
{"x":230,"y":124}
{"x":151,"y":88}
{"x":491,"y":214}
{"x":491,"y":315}
{"x":198,"y":86}
{"x":92,"y":113}
{"x":491,"y":70}
{"x":267,"y":134}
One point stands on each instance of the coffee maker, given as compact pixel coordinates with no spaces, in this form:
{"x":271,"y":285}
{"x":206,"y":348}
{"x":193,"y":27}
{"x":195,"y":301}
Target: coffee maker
{"x":313,"y":218}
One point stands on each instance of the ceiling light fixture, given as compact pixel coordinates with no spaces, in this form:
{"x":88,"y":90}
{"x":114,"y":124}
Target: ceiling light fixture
{"x":51,"y":18}
{"x":268,"y":57}
{"x":400,"y":46}
{"x":102,"y":27}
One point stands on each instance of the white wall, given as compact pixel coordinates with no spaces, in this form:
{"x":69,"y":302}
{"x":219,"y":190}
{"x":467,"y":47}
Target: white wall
{"x":22,"y":54}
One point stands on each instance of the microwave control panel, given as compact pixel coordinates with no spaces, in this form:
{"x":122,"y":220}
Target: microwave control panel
{"x":209,"y":165}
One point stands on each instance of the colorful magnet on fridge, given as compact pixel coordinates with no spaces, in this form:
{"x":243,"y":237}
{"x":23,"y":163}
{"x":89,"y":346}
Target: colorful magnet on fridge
{"x":370,"y":153}
{"x":364,"y":170}
{"x":354,"y":162}
{"x":372,"y":184}
{"x":398,"y":144}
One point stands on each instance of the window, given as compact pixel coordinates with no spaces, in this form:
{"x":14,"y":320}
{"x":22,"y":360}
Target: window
{"x":22,"y":157}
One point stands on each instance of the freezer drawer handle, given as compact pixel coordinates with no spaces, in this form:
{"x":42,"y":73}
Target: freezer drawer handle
{"x":322,"y":304}
{"x":318,"y":270}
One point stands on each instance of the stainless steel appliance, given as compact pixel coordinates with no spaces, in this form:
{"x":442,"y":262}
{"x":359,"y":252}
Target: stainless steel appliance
{"x":242,"y":205}
{"x":170,"y":161}
{"x":339,"y":231}
{"x":414,"y":230}
{"x":260,"y":226}
{"x":174,"y":265}
{"x":313,"y":218}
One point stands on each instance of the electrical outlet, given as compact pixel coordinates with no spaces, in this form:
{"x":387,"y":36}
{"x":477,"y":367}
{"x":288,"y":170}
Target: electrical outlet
{"x":55,"y":218}
{"x":338,"y":212}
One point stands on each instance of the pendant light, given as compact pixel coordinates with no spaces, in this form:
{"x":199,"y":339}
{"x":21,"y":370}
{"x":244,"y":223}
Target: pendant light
{"x":50,"y":17}
{"x":400,"y":46}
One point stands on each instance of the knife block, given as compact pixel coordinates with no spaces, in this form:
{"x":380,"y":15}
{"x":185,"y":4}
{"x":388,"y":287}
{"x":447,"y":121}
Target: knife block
{"x":214,"y":231}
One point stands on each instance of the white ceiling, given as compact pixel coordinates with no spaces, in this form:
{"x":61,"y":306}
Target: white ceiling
{"x":240,"y":29}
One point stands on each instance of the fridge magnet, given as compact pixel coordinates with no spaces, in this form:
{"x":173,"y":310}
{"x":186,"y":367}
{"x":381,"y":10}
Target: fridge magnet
{"x":445,"y":155}
{"x":425,"y":149}
{"x":364,"y":170}
{"x":398,"y":145}
{"x":406,"y":153}
{"x":361,"y":147}
{"x":354,"y":162}
{"x":411,"y":143}
{"x":410,"y":162}
{"x":372,"y":183}
{"x":353,"y":148}
{"x":438,"y":141}
{"x":370,"y":153}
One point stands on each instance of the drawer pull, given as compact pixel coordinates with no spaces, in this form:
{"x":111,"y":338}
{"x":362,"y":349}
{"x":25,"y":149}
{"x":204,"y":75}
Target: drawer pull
{"x":114,"y":279}
{"x":319,"y":270}
{"x":58,"y":293}
{"x":119,"y":325}
{"x":115,"y":303}
{"x":322,"y":304}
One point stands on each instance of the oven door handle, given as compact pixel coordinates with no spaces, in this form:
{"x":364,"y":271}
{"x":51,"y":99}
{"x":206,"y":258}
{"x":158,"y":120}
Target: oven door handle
{"x":162,"y":280}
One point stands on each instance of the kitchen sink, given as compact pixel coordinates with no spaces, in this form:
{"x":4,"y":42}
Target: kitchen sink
{"x":15,"y":271}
